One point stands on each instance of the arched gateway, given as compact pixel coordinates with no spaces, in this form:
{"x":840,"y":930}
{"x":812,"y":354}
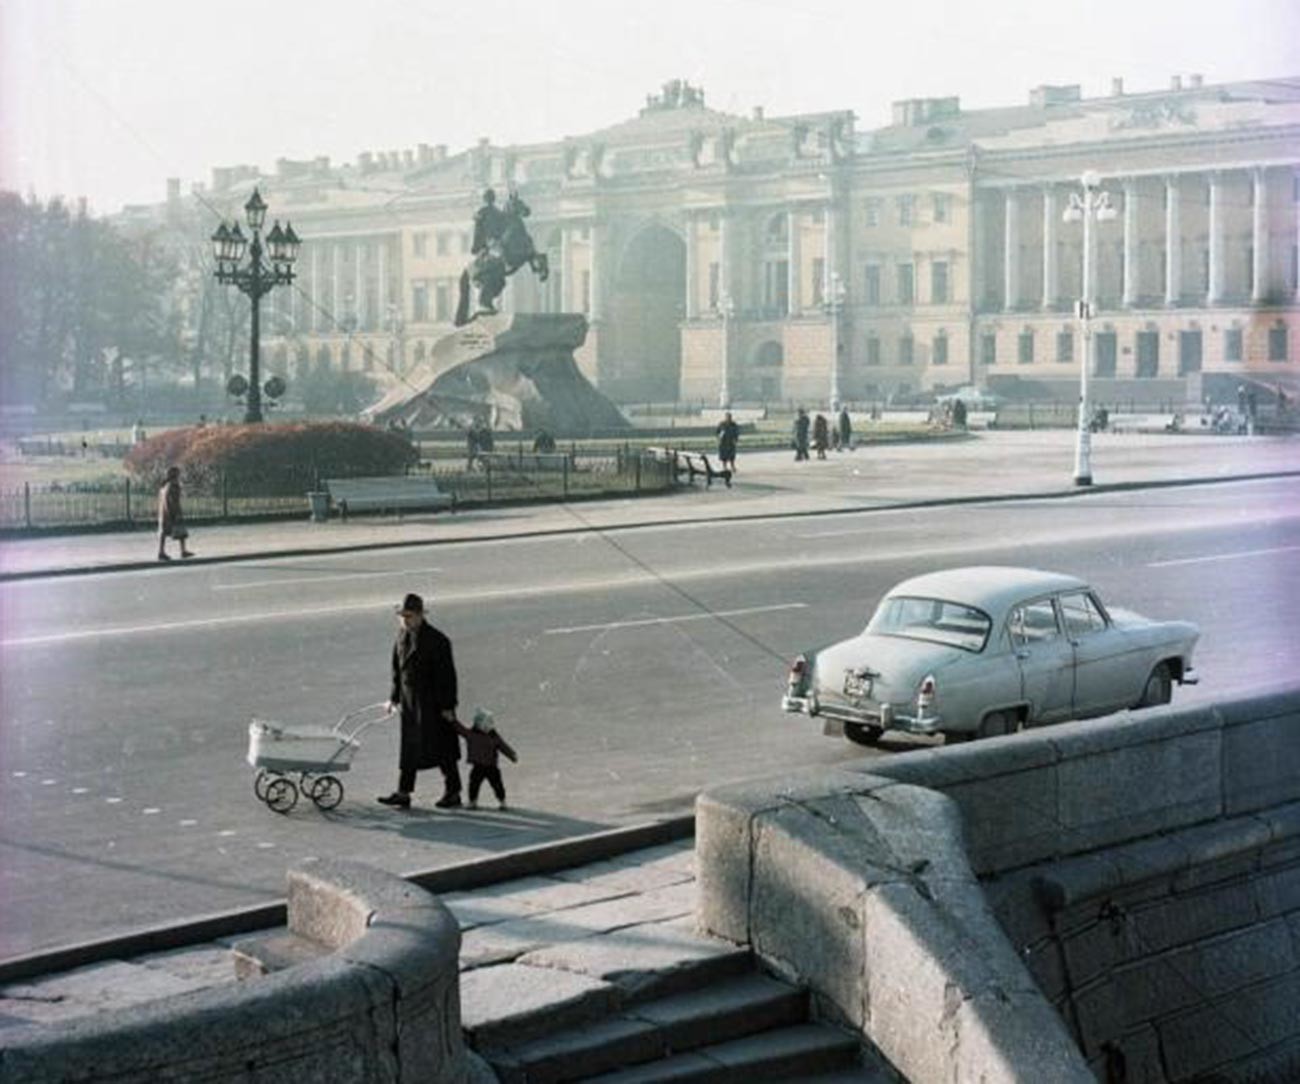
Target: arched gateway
{"x":642,"y":348}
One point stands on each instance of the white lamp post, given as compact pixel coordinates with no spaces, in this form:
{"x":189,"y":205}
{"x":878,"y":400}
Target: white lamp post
{"x":1091,"y":203}
{"x":726,"y":309}
{"x":835,"y":293}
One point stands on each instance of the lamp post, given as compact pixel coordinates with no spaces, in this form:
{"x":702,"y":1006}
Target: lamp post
{"x":835,"y":292}
{"x":726,"y":309}
{"x":1086,"y":205}
{"x":397,"y":325}
{"x":255,"y":278}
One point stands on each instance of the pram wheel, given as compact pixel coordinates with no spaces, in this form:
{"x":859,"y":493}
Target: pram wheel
{"x":326,"y":792}
{"x":281,"y":795}
{"x":260,"y":780}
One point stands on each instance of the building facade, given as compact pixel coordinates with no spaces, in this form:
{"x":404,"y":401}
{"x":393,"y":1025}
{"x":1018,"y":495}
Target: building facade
{"x":800,"y":258}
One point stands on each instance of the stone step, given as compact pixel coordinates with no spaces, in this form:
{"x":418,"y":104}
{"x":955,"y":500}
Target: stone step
{"x":728,"y":1009}
{"x":265,"y":953}
{"x":802,"y":1050}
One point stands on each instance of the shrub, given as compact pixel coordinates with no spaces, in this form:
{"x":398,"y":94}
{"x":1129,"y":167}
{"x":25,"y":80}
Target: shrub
{"x":270,"y":460}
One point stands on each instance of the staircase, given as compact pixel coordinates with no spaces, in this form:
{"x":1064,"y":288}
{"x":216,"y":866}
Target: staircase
{"x":744,"y":1026}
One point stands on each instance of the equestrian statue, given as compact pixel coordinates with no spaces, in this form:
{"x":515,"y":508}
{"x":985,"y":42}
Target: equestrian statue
{"x":501,"y":246}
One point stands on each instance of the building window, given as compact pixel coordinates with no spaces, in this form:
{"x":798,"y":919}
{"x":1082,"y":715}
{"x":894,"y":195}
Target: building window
{"x":906,"y":350}
{"x":938,"y":282}
{"x":873,"y":350}
{"x":776,"y":287}
{"x":818,"y":217}
{"x":420,"y":302}
{"x":905,"y":204}
{"x":872,"y":212}
{"x":1277,"y":343}
{"x":939,"y":349}
{"x":1065,"y":346}
{"x":818,"y":281}
{"x":1148,"y":354}
{"x":1232,"y":344}
{"x":715,"y":286}
{"x":941,"y":206}
{"x":1025,"y":349}
{"x":872,"y":280}
{"x":444,"y":242}
{"x":420,"y":244}
{"x":906,"y":284}
{"x":988,"y":349}
{"x":442,"y":302}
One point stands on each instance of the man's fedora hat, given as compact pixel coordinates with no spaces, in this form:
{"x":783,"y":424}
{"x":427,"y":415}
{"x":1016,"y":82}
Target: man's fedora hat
{"x":412,"y":604}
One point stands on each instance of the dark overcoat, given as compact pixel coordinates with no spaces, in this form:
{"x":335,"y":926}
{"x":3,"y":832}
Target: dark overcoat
{"x":728,"y":436}
{"x":424,"y":685}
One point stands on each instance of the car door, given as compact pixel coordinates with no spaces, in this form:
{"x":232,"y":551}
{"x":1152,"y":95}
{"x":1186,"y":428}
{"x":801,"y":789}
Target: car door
{"x":1046,"y":660}
{"x":1099,"y":659}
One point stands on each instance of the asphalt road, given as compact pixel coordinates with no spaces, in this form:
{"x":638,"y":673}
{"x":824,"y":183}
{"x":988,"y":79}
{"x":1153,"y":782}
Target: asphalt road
{"x":630,"y":669}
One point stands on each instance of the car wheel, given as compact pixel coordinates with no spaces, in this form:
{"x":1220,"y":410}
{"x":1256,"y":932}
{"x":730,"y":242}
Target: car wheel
{"x":1159,"y":687}
{"x":859,"y":734}
{"x":996,"y":724}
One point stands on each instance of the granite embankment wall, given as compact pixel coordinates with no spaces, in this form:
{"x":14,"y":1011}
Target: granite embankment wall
{"x":382,"y":1004}
{"x":1116,"y":899}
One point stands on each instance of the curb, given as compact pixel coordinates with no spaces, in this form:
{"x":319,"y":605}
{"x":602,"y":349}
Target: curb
{"x":934,"y":502}
{"x":461,"y":877}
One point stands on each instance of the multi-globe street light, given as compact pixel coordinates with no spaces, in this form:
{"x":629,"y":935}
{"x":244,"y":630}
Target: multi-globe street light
{"x":1084,"y":206}
{"x":833,"y":301}
{"x":726,"y":309}
{"x":256,"y":279}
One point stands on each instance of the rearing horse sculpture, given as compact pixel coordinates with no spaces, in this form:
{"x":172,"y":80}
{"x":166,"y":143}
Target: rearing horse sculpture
{"x":501,"y":247}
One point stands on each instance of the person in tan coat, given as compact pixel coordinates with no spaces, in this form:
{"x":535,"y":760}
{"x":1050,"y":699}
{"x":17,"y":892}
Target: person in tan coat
{"x":483,"y":744}
{"x":171,"y":522}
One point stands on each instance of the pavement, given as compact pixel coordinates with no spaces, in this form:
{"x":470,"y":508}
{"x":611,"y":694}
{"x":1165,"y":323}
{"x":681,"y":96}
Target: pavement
{"x":986,"y":466}
{"x":635,"y":909}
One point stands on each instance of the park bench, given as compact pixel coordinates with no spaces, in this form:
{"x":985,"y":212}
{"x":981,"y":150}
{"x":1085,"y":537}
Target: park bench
{"x":691,"y":464}
{"x":556,"y":461}
{"x":386,"y":493}
{"x":1144,"y":423}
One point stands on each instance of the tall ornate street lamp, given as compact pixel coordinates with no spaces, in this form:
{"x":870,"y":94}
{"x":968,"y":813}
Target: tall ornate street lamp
{"x":726,"y":309}
{"x":1086,"y":205}
{"x":255,"y":278}
{"x":833,"y":301}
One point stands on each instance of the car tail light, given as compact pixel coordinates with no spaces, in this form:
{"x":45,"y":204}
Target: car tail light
{"x":925,"y":694}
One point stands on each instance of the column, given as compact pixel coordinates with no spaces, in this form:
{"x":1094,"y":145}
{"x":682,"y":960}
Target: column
{"x":596,"y":263}
{"x":315,"y":295}
{"x":336,"y":285}
{"x":1051,"y":216}
{"x":1259,"y":238}
{"x":1173,"y":244}
{"x":564,"y":292}
{"x":979,"y":256}
{"x":1131,"y":243}
{"x":1011,"y":252}
{"x":794,"y":256}
{"x":1215,"y":292}
{"x":692,"y":271}
{"x":358,"y":296}
{"x":381,"y":286}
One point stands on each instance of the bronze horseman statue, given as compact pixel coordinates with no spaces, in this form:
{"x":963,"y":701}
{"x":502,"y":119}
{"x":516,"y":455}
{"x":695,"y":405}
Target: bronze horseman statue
{"x":501,"y":246}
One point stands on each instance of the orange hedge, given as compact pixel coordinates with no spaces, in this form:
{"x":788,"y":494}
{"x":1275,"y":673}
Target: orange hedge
{"x":269,"y":460}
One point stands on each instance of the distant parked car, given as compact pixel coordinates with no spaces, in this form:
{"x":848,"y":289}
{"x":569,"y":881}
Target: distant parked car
{"x":978,"y":652}
{"x":974,"y":398}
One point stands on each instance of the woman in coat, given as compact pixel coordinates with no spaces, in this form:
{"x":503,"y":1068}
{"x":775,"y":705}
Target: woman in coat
{"x":171,"y":522}
{"x":821,"y":435}
{"x":424,"y":690}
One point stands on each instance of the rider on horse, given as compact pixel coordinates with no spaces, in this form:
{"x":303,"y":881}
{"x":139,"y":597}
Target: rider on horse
{"x":501,"y":245}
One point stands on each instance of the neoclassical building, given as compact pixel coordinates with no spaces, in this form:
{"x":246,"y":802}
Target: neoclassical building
{"x":800,"y":257}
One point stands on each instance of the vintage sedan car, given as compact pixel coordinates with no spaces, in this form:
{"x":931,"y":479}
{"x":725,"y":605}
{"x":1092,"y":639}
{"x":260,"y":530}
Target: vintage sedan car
{"x":977,"y":652}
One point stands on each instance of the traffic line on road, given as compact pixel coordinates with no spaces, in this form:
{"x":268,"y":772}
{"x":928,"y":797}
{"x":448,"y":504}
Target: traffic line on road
{"x":337,"y":578}
{"x":683,"y":617}
{"x":1222,"y":557}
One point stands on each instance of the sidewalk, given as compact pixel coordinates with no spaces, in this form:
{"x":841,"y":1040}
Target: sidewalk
{"x":990,"y":465}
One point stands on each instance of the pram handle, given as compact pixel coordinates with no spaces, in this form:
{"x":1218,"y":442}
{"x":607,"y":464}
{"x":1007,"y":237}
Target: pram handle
{"x":378,"y":712}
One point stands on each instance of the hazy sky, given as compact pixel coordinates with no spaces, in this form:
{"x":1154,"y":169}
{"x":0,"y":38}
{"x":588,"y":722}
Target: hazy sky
{"x":108,"y":98}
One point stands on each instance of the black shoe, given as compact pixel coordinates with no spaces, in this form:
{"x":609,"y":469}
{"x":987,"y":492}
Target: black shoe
{"x":398,"y":799}
{"x":448,"y":801}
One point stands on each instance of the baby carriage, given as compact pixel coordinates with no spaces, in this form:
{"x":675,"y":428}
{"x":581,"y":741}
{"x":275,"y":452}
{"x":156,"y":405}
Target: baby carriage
{"x":314,"y":754}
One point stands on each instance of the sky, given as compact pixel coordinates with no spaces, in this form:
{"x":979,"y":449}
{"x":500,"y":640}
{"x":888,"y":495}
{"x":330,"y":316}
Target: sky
{"x":106,"y":99}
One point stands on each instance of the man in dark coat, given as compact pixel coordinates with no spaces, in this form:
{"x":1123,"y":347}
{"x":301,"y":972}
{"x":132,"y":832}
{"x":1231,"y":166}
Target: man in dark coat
{"x":424,"y":689}
{"x":801,"y":435}
{"x":728,"y":437}
{"x":846,"y":430}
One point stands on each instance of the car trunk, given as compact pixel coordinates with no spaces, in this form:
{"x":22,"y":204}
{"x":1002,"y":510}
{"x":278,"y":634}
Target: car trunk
{"x":898,"y":662}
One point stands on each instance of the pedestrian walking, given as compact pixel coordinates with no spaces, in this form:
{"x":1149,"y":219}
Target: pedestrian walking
{"x":471,"y":444}
{"x":800,"y":435}
{"x":846,"y":430}
{"x":483,"y":746}
{"x":171,"y":520}
{"x":821,"y":435}
{"x":424,"y":690}
{"x":728,"y":437}
{"x":958,"y":414}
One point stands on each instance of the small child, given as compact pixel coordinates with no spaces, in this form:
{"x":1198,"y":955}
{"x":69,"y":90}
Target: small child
{"x":483,"y":743}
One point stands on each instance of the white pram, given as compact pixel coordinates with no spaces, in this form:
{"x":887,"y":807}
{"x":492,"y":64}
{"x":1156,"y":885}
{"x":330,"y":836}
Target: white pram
{"x":315,"y":754}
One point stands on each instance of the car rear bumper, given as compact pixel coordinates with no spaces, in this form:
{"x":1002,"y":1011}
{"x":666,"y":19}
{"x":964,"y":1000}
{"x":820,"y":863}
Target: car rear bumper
{"x":882,"y":716}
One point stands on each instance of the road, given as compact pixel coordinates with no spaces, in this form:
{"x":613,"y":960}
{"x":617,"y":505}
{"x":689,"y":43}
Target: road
{"x":630,"y":668}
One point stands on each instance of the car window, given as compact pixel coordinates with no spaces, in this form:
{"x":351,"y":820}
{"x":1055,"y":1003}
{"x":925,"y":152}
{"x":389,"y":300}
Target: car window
{"x":934,"y":620}
{"x":1034,"y":623}
{"x":1080,"y":614}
